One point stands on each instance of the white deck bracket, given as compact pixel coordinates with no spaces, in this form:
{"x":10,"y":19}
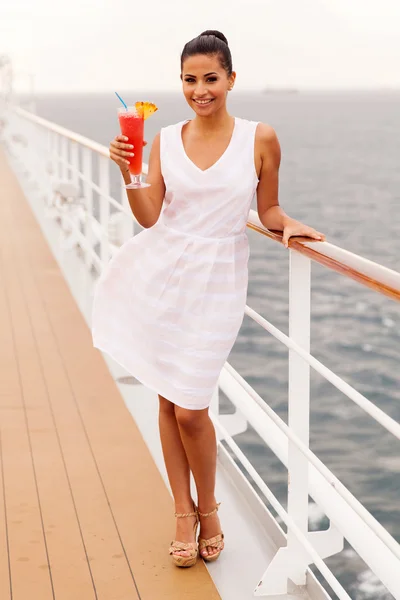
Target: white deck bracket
{"x":288,"y":566}
{"x":234,"y":423}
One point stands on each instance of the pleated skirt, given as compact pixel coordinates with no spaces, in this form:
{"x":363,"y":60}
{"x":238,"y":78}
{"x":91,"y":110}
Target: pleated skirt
{"x":168,"y":308}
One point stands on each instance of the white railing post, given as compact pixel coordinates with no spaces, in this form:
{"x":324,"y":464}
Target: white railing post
{"x":34,"y":156}
{"x":104,"y":207}
{"x":299,"y":399}
{"x":290,"y":562}
{"x":65,"y":175}
{"x":63,"y":154}
{"x":87,"y":170}
{"x":41,"y":157}
{"x":51,"y":168}
{"x":38,"y":151}
{"x":289,"y":565}
{"x":74,"y":163}
{"x":29,"y":135}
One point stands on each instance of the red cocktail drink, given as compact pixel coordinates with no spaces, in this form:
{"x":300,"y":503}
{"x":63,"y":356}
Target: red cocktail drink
{"x":132,"y":125}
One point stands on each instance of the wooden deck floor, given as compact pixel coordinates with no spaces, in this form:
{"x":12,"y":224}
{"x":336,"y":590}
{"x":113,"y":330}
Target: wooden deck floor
{"x":84,"y":513}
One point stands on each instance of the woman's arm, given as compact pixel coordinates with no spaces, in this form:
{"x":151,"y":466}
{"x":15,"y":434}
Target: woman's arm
{"x":271,"y":215}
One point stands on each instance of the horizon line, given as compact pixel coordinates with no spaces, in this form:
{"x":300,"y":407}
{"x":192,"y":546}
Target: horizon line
{"x":267,"y":90}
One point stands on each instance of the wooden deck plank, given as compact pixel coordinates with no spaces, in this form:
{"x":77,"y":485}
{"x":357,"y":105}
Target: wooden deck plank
{"x":56,"y":502}
{"x":95,"y":433}
{"x":26,"y":544}
{"x":5,"y":575}
{"x":63,"y":468}
{"x":9,"y":389}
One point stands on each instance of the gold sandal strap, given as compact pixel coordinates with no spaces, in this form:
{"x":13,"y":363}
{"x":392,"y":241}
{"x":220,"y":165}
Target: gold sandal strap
{"x":192,"y":514}
{"x":210,"y":513}
{"x":215,"y":542}
{"x":184,"y":545}
{"x":176,"y":546}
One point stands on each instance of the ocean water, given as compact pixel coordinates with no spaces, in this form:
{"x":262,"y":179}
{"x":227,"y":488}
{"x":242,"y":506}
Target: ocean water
{"x":340,"y":173}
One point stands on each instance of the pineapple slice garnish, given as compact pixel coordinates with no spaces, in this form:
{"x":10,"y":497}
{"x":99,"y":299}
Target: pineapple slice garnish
{"x":145,"y":109}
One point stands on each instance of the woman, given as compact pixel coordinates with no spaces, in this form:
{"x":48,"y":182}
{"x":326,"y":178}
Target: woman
{"x":171,"y":302}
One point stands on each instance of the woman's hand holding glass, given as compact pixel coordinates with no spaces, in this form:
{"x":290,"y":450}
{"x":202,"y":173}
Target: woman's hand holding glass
{"x":121,"y":152}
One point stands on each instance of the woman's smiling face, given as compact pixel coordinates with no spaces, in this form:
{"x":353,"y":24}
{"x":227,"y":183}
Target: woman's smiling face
{"x":205,"y":83}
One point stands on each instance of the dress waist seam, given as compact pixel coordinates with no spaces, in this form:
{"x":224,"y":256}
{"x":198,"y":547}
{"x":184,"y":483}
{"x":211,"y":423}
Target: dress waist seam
{"x":205,"y":238}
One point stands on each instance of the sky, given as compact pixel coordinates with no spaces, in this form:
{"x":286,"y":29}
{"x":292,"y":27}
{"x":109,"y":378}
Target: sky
{"x":98,"y":45}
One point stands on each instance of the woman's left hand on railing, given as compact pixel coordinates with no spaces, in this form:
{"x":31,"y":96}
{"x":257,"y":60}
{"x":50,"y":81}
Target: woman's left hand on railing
{"x":295,"y":228}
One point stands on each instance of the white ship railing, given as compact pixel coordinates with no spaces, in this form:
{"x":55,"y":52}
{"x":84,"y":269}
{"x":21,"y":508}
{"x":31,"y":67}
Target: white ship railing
{"x":73,"y":175}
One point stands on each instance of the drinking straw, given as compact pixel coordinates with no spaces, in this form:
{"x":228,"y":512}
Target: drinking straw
{"x":118,"y":96}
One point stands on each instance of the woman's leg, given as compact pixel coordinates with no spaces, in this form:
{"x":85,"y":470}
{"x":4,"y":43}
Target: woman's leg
{"x":199,"y":441}
{"x":178,"y":470}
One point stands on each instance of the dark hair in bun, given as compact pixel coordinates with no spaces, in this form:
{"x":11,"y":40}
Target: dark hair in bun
{"x":210,"y":42}
{"x":217,"y":34}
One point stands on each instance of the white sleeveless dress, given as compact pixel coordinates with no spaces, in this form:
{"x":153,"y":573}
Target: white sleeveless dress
{"x":170,"y":303}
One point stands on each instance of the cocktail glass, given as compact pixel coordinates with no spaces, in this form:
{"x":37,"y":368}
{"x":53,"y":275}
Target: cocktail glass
{"x":132,"y":125}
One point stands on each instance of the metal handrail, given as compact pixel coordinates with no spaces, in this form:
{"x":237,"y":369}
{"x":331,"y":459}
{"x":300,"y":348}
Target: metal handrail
{"x":67,"y":133}
{"x":347,"y":263}
{"x":364,"y":271}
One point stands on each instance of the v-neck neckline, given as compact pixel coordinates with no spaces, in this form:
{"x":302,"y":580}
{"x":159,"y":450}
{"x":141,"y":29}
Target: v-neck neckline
{"x":219,"y":159}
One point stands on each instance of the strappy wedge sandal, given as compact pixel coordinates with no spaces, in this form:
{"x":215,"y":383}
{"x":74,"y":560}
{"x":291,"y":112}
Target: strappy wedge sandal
{"x":192,"y":547}
{"x":216,"y":542}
